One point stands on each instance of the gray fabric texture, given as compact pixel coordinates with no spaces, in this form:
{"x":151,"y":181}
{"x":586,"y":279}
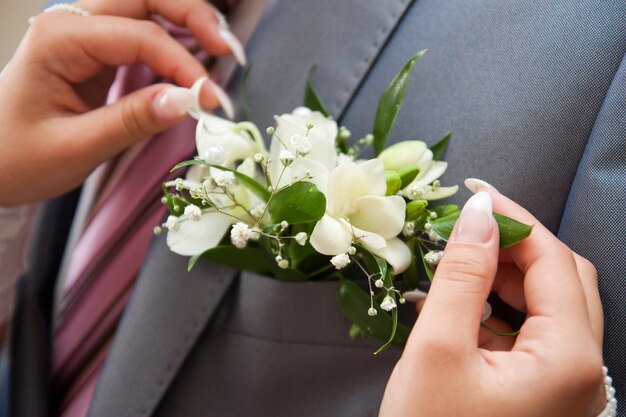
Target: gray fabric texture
{"x":594,"y":223}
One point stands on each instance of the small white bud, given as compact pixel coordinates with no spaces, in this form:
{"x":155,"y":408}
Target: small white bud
{"x":301,"y":238}
{"x":278,"y":258}
{"x":433,"y":257}
{"x":258,"y":158}
{"x":388,"y":303}
{"x":209,"y":185}
{"x":379,"y":283}
{"x":408,"y":229}
{"x":344,"y":133}
{"x":436,"y":185}
{"x":286,"y":157}
{"x":402,"y":300}
{"x":433,"y":215}
{"x":284,"y":225}
{"x":270,"y":130}
{"x":193,"y":213}
{"x":240,"y":234}
{"x":351,"y":250}
{"x":157,"y":230}
{"x":255,"y":234}
{"x":225,"y":179}
{"x":340,"y":261}
{"x":284,"y":264}
{"x":179,"y":184}
{"x":257,"y":211}
{"x":309,"y":126}
{"x":163,"y":200}
{"x":372,"y":312}
{"x":301,"y":144}
{"x":172,"y":223}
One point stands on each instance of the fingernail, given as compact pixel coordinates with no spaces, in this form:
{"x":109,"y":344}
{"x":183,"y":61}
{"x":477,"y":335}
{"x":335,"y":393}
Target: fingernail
{"x":172,"y":103}
{"x":222,"y":97}
{"x":233,"y":43}
{"x":414,"y":296}
{"x":475,"y":223}
{"x":486,"y":311}
{"x":475,"y":185}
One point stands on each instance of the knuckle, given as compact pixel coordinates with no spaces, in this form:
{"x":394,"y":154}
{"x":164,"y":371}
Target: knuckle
{"x":440,"y":349}
{"x":152,"y":29}
{"x":132,"y":120}
{"x":466,"y":270}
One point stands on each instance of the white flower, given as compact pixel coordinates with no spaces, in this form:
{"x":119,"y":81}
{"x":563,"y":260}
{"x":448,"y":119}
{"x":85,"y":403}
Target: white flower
{"x":283,"y":264}
{"x":284,"y":224}
{"x":255,"y":234}
{"x":388,"y":303}
{"x":214,"y":133}
{"x":322,"y":157}
{"x":240,"y":234}
{"x":433,"y":258}
{"x":379,"y":283}
{"x":415,"y":152}
{"x":193,"y":212}
{"x":224,"y":179}
{"x":286,"y":157}
{"x":372,"y":312}
{"x":301,"y":238}
{"x":172,"y":223}
{"x":357,"y":210}
{"x":194,"y":238}
{"x":340,"y":261}
{"x":301,"y":144}
{"x":257,"y":211}
{"x":342,"y":158}
{"x":259,"y":157}
{"x":351,"y":250}
{"x":209,"y":185}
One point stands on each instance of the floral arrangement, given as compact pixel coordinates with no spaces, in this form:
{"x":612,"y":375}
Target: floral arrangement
{"x":310,"y":209}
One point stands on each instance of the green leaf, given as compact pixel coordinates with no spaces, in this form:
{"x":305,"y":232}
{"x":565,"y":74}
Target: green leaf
{"x":390,"y":103}
{"x":187,"y":163}
{"x":440,"y":147}
{"x":244,"y":93}
{"x":444,"y":210}
{"x":394,"y":182}
{"x":354,"y":303}
{"x":415,"y":208}
{"x":408,"y":174}
{"x":311,"y":98}
{"x":511,"y":231}
{"x":301,"y":202}
{"x":248,"y":259}
{"x":411,"y":275}
{"x":429,"y":271}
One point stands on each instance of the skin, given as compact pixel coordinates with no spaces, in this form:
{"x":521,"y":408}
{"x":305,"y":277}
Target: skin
{"x":55,"y":126}
{"x":450,"y":367}
{"x":54,"y":123}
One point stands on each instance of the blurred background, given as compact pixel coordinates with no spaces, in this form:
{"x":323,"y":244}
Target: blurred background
{"x":13,"y":21}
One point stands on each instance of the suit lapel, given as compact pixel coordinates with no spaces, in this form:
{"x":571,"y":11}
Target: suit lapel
{"x":170,"y":308}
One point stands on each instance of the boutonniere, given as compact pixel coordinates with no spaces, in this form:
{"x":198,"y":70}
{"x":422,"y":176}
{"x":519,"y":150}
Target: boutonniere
{"x":310,"y":208}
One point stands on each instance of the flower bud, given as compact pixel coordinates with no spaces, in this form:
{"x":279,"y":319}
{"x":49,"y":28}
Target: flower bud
{"x":403,"y":154}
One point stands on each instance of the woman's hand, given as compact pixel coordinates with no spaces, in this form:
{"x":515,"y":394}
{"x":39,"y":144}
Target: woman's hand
{"x":450,"y":367}
{"x":54,"y":130}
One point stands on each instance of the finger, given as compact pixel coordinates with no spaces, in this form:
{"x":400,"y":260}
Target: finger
{"x":509,"y":285}
{"x":589,"y":280}
{"x":204,"y":21}
{"x":84,"y":46}
{"x":464,"y":276}
{"x":551,"y":284}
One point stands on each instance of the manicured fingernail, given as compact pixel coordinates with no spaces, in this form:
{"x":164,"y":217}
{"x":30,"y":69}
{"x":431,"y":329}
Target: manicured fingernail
{"x":475,"y":223}
{"x":233,"y":43}
{"x":222,"y":97}
{"x":172,"y":103}
{"x":475,"y":185}
{"x":486,"y":311}
{"x":414,"y":296}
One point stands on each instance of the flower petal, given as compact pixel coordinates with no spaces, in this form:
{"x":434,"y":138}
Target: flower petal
{"x":330,"y":236}
{"x":350,"y":181}
{"x":397,"y":253}
{"x":381,"y":215}
{"x":194,"y":238}
{"x":434,"y":171}
{"x":213,"y":131}
{"x":403,"y":154}
{"x":442,"y":192}
{"x":369,"y":240}
{"x":300,"y":166}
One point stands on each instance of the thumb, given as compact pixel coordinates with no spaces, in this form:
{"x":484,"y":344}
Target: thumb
{"x":464,"y":276}
{"x":108,"y":130}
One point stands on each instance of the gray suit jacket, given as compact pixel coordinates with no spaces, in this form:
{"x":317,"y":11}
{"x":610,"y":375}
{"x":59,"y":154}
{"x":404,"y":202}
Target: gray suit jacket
{"x":534,"y":92}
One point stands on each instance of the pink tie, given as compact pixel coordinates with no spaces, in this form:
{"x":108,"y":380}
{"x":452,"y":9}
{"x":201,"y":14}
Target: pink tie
{"x":109,"y":255}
